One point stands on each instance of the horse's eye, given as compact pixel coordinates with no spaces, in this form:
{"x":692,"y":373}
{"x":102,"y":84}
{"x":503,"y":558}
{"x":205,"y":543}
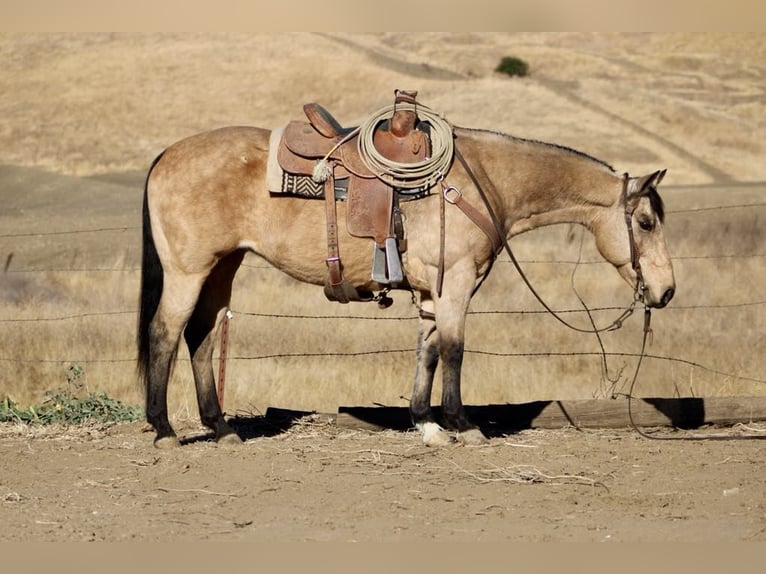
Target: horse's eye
{"x":646,"y":224}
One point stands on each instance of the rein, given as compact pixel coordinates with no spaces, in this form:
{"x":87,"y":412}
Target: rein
{"x":639,"y":288}
{"x":617,"y":323}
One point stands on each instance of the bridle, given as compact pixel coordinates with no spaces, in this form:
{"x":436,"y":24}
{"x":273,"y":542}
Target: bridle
{"x":630,"y":208}
{"x":638,"y":294}
{"x":499,"y":233}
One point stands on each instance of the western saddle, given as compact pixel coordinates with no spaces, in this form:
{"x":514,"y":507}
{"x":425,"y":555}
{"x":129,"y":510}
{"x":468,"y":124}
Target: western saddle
{"x":329,"y":153}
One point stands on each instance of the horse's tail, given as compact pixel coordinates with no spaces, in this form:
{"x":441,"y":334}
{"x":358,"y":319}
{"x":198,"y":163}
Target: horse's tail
{"x":151,"y":285}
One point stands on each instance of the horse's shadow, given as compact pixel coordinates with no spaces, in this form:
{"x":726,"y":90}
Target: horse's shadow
{"x":273,"y":423}
{"x":494,"y":420}
{"x":250,"y":426}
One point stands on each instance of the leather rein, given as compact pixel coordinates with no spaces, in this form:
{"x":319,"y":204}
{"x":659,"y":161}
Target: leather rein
{"x":499,"y":240}
{"x":638,"y":294}
{"x":497,"y":233}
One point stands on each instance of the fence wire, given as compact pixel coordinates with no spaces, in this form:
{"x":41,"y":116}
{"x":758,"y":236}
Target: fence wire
{"x":11,"y":267}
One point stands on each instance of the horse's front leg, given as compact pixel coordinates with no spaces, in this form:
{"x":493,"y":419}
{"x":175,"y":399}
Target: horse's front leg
{"x":427,"y":360}
{"x":453,"y":411}
{"x":451,"y":311}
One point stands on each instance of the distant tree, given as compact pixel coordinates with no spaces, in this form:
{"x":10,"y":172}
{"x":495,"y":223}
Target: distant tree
{"x":512,"y":66}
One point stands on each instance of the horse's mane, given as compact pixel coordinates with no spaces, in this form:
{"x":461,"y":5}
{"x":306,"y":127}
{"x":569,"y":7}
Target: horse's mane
{"x":654,"y":197}
{"x":656,"y":202}
{"x":542,"y":143}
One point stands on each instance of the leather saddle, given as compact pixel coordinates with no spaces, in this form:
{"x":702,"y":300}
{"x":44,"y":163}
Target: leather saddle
{"x":372,"y":204}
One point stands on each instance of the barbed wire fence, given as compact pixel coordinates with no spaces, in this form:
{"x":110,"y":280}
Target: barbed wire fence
{"x":13,"y":267}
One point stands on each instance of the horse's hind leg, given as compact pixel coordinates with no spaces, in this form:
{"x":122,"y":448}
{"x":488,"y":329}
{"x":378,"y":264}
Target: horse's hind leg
{"x":200,"y":332}
{"x":177,"y":301}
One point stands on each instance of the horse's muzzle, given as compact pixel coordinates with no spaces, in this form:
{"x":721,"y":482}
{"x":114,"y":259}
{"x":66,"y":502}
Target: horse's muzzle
{"x":665,"y":299}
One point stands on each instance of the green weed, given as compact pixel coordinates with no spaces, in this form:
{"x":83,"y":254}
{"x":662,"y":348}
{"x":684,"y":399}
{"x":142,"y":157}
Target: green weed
{"x":72,"y":405}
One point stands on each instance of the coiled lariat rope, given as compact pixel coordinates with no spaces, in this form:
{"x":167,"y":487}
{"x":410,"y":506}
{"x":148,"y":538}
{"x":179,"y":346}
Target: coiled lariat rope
{"x":408,"y":175}
{"x":416,"y":175}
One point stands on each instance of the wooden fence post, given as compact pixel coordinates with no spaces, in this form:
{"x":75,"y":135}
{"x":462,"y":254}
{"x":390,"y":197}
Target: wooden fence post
{"x":222,"y":358}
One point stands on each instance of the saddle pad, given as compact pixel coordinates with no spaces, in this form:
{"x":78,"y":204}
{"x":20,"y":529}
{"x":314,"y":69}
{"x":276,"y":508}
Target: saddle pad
{"x":274,"y":172}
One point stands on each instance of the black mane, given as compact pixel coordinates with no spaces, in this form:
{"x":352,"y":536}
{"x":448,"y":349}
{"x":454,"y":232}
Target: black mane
{"x":548,"y":144}
{"x":656,"y":202}
{"x":654,"y":197}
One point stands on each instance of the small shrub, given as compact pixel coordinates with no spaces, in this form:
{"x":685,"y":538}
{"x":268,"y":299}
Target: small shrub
{"x":72,"y":405}
{"x":512,"y":66}
{"x":62,"y":407}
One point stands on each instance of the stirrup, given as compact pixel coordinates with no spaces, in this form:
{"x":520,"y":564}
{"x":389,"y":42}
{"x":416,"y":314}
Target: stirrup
{"x":386,"y":265}
{"x":345,"y":292}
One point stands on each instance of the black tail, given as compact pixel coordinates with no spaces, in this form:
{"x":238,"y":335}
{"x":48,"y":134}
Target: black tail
{"x":151,"y":286}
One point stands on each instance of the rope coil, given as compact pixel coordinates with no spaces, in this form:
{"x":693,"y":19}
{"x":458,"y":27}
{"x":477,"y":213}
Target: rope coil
{"x":414,"y":175}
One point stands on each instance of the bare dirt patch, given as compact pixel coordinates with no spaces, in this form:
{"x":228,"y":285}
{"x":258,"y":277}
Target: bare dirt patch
{"x":315,"y":482}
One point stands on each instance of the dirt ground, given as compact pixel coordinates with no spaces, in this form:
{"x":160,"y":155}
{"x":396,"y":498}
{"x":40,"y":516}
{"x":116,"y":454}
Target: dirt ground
{"x":308,"y":480}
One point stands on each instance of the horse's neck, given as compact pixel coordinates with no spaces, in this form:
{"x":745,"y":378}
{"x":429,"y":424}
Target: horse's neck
{"x":540,"y":184}
{"x":542,"y":206}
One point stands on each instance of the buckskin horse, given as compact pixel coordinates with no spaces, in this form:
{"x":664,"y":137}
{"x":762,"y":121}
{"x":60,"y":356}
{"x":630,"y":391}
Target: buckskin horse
{"x":206,"y":204}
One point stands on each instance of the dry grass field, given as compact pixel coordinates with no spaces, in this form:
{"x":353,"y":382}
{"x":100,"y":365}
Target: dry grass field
{"x":85,"y":114}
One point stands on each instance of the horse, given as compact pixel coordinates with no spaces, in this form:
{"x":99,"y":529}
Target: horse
{"x":206,"y":204}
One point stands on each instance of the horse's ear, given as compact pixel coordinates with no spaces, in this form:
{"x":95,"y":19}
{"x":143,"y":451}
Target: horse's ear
{"x":640,"y":184}
{"x":643,"y":184}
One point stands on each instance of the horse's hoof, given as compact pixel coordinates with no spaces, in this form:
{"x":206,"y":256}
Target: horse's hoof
{"x":434,"y":435}
{"x":229,"y":440}
{"x":167,"y":442}
{"x":472,"y":437}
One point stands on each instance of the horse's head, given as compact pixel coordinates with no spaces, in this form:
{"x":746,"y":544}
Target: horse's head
{"x":631,"y":238}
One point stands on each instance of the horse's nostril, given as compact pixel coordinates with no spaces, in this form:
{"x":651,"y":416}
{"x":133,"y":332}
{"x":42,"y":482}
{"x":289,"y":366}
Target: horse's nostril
{"x":667,"y":296}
